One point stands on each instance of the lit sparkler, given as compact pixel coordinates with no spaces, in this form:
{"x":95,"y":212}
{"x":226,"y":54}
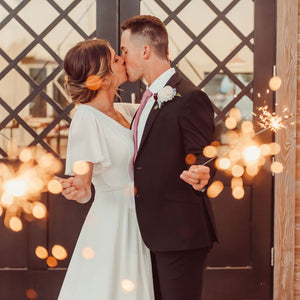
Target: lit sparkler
{"x":271,"y":121}
{"x":21,"y":187}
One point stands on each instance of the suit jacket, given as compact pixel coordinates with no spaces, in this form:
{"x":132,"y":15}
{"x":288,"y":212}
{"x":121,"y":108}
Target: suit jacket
{"x":171,"y":214}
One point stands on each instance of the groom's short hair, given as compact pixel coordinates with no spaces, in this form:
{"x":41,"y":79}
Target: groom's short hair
{"x":151,"y":29}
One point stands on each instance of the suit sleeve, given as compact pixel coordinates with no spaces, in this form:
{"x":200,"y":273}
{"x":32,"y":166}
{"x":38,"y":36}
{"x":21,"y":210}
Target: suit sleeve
{"x":197,"y":125}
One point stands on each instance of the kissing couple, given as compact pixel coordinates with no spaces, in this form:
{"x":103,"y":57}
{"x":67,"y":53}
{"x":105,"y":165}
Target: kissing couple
{"x":151,"y":225}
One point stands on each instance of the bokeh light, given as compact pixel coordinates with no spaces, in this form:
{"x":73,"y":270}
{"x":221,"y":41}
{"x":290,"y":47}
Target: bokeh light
{"x":51,"y":261}
{"x":210,"y":151}
{"x":93,"y":82}
{"x":39,"y":210}
{"x":236,"y":181}
{"x":80,"y":167}
{"x":247,"y":127}
{"x":41,"y":252}
{"x":235,"y":114}
{"x":238,"y":192}
{"x":275,"y":148}
{"x":237,"y":170}
{"x":224,"y":163}
{"x":31,"y":294}
{"x":88,"y":253}
{"x":16,"y":187}
{"x":251,"y":153}
{"x":215,"y":189}
{"x":59,"y":252}
{"x":275,"y":83}
{"x":230,"y":123}
{"x":54,"y":186}
{"x":190,"y":159}
{"x":127,"y":285}
{"x":15,"y":224}
{"x":276,"y":167}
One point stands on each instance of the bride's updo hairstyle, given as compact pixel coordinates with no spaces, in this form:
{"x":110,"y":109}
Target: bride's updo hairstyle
{"x":89,"y":57}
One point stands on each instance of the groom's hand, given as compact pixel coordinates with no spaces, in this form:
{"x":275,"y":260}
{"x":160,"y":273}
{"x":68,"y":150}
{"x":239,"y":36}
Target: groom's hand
{"x":197,"y":176}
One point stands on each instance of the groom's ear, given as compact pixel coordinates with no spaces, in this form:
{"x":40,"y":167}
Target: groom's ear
{"x":146,"y":52}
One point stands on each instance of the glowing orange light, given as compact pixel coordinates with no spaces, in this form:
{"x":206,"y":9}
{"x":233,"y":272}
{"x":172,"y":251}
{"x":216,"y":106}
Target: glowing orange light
{"x":236,"y":181}
{"x":59,"y":252}
{"x":275,"y":83}
{"x":7,"y":199}
{"x":80,"y":167}
{"x":252,"y":170}
{"x":15,"y":224}
{"x":224,"y":163}
{"x":237,"y":171}
{"x":276,"y":167}
{"x":235,"y":114}
{"x":1,"y":211}
{"x":210,"y":151}
{"x":31,"y":294}
{"x":230,"y":123}
{"x":247,"y":127}
{"x":26,"y":155}
{"x":93,"y":82}
{"x":127,"y":285}
{"x":238,"y":192}
{"x":39,"y":210}
{"x":234,"y":155}
{"x":265,"y":149}
{"x":215,"y":189}
{"x":16,"y":187}
{"x":54,"y":186}
{"x":251,"y":153}
{"x":231,"y":137}
{"x":190,"y":159}
{"x":275,"y":148}
{"x":51,"y":261}
{"x":41,"y":252}
{"x":35,"y":184}
{"x":88,"y":253}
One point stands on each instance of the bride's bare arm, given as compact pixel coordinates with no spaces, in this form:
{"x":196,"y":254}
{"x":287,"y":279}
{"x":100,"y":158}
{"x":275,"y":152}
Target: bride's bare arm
{"x":78,"y":188}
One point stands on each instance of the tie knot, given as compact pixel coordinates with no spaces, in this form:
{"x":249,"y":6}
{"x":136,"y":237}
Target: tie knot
{"x":147,"y":94}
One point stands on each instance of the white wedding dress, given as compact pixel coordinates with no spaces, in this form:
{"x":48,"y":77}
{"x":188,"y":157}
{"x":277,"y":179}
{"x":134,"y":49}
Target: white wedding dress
{"x":110,"y":260}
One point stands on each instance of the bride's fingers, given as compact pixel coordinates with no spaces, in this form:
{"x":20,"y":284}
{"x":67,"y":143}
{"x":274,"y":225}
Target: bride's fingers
{"x":68,"y":192}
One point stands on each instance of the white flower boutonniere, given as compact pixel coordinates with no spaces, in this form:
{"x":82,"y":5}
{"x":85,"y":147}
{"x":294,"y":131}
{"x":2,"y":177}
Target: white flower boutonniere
{"x":164,"y":95}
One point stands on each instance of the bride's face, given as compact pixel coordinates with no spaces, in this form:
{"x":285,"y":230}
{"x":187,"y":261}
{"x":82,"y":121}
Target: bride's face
{"x":117,"y":66}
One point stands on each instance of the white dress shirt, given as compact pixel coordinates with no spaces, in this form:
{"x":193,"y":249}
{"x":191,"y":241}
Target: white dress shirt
{"x":157,"y":84}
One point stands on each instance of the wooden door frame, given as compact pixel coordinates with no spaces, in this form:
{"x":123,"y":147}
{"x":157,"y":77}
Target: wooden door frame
{"x":285,"y":183}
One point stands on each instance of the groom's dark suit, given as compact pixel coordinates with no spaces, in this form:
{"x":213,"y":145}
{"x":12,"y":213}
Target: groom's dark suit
{"x":173,"y":216}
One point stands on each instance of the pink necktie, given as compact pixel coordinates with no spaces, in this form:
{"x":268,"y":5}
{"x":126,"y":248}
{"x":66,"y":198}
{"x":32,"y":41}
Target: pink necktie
{"x":147,"y":94}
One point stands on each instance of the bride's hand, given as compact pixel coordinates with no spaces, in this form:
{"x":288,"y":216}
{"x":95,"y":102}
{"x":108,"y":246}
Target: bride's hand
{"x":74,"y":188}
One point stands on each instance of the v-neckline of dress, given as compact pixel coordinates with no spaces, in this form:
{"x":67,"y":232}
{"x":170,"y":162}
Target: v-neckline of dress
{"x":109,"y":118}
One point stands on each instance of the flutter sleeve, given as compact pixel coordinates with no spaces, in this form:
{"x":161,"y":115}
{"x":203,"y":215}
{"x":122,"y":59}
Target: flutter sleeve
{"x":87,"y":142}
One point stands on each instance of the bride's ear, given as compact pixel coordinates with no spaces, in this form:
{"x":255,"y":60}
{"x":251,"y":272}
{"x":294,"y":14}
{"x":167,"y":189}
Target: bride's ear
{"x":106,"y":81}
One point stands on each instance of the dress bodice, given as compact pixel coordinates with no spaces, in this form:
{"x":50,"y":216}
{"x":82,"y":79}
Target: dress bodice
{"x":97,"y":138}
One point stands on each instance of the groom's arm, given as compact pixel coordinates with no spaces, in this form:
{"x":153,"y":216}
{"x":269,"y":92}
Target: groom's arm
{"x":197,"y":125}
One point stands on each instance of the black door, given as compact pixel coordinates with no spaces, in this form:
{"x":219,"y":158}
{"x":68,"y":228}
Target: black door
{"x":239,"y":267}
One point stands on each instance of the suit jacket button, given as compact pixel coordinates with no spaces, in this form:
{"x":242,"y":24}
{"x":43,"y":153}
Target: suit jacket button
{"x":139,"y":168}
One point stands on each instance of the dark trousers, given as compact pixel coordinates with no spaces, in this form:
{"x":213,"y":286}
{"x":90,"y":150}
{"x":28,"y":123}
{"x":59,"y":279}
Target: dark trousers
{"x":178,"y":275}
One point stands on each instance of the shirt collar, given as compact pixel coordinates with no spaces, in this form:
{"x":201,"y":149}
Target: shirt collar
{"x":161,"y":81}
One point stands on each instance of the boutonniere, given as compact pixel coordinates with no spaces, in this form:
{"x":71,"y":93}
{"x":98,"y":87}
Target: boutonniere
{"x":164,"y":95}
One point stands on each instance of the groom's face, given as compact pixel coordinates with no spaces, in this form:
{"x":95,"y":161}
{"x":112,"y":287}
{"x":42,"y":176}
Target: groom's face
{"x":132,"y":54}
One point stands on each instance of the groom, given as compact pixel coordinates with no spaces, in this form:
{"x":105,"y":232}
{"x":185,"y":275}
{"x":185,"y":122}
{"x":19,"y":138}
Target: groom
{"x":174,"y":123}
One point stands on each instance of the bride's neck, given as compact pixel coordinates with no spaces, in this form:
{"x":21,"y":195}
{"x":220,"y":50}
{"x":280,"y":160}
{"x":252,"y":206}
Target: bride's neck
{"x":104,"y":101}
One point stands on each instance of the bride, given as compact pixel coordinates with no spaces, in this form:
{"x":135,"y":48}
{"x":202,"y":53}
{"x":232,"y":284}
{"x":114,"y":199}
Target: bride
{"x":118,"y":266}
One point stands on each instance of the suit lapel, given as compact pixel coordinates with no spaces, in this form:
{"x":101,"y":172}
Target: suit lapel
{"x":173,"y":82}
